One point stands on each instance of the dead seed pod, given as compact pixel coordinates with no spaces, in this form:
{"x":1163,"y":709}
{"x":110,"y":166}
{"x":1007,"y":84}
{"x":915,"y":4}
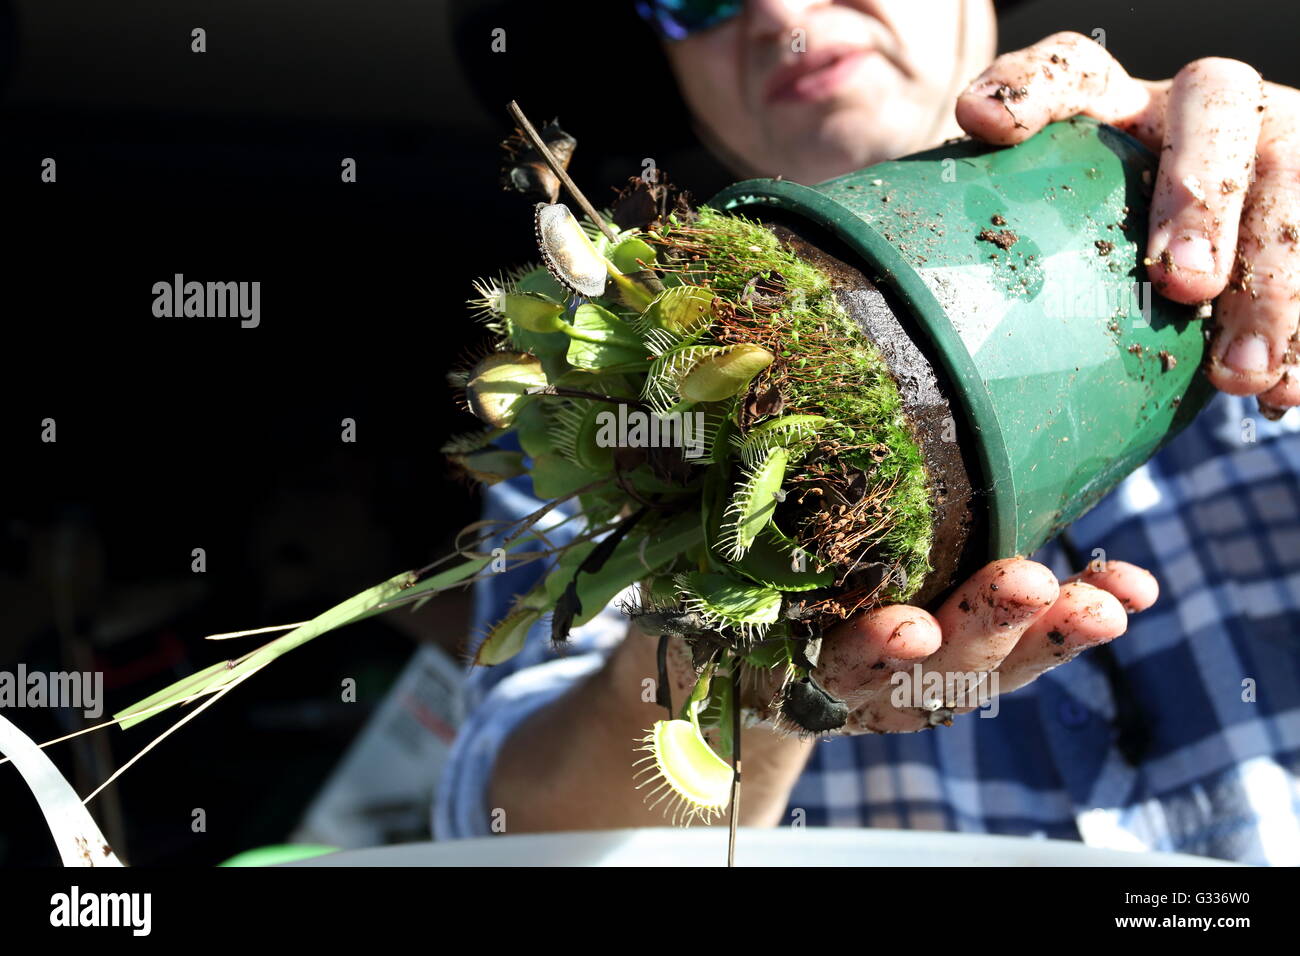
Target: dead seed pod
{"x":575,"y":262}
{"x":568,"y":253}
{"x":810,"y":706}
{"x":526,"y":172}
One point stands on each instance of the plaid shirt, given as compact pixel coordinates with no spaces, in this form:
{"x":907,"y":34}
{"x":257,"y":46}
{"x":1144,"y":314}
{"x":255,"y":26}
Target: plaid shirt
{"x":1210,"y":677}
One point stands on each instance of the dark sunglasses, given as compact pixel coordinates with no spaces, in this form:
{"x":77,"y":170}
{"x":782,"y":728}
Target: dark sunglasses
{"x":676,"y":19}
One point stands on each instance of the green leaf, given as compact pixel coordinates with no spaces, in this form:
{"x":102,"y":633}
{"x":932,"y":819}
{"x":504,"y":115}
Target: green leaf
{"x":581,"y":433}
{"x":598,"y":338}
{"x":753,"y":503}
{"x":770,"y":654}
{"x":682,"y":312}
{"x":491,"y":465}
{"x":713,"y":502}
{"x":221,"y":674}
{"x":533,"y":426}
{"x":538,"y":279}
{"x":372,"y":601}
{"x":624,"y":567}
{"x":554,"y":476}
{"x":723,"y":601}
{"x":626,"y":253}
{"x":770,"y":561}
{"x":724,"y":375}
{"x":666,"y":371}
{"x":699,"y":694}
{"x":787,"y":431}
{"x":533,"y":311}
{"x":506,"y":638}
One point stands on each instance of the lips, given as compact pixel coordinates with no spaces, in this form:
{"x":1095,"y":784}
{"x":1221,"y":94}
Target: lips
{"x":813,"y":75}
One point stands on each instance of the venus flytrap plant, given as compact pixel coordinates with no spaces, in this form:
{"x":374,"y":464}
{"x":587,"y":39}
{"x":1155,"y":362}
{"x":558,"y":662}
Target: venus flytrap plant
{"x":531,"y":311}
{"x":665,"y":373}
{"x":813,"y":498}
{"x":702,"y":313}
{"x":498,"y":384}
{"x":683,"y":769}
{"x":723,"y":374}
{"x":576,"y":263}
{"x":723,"y":603}
{"x":677,"y":315}
{"x":754,"y":502}
{"x":790,"y":432}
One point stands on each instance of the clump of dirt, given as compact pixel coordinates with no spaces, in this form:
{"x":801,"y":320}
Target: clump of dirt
{"x":1005,"y":94}
{"x":1104,"y":247}
{"x":998,"y":221}
{"x":1004,"y":238}
{"x":1167,"y":361}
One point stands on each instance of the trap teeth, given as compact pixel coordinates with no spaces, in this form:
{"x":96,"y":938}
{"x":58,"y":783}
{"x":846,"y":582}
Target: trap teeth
{"x":567,"y":252}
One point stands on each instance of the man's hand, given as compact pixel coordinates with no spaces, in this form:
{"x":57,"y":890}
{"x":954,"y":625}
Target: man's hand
{"x":1012,"y":617}
{"x":1225,"y":217}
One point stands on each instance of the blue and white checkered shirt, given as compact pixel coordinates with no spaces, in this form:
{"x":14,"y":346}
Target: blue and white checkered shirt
{"x":1213,"y":668}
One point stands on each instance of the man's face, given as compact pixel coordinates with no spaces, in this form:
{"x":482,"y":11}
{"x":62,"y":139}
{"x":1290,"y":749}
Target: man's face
{"x":811,"y":89}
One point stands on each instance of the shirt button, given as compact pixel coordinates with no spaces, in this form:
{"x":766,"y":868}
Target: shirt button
{"x":1072,"y":713}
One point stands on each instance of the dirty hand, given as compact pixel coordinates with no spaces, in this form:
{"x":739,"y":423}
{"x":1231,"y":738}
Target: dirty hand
{"x":1012,"y":618}
{"x":1225,"y":217}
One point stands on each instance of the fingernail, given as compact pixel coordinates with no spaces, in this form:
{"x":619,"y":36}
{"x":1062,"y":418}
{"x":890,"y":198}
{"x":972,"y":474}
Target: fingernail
{"x":1194,"y":253}
{"x":1272,"y":412}
{"x":983,"y":88}
{"x":1246,"y":354}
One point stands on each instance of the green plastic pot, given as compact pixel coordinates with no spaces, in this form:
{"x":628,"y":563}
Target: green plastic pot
{"x":1022,"y":267}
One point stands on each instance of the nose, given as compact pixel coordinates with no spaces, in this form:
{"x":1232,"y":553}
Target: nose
{"x":767,"y":19}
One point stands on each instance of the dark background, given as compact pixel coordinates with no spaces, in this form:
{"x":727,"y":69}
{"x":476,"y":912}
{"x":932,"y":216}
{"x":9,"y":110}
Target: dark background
{"x":177,"y":434}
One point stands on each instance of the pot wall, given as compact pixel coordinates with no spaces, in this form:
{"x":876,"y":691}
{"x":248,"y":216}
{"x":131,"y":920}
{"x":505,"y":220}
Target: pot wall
{"x":1023,"y":266}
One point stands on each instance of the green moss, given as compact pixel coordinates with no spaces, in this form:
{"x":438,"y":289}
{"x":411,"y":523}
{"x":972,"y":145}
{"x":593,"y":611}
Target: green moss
{"x":826,"y":367}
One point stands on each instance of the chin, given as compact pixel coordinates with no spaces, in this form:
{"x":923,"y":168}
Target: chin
{"x":840,"y":143}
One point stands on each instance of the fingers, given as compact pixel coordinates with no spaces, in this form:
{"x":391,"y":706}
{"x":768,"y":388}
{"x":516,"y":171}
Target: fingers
{"x":1083,"y":616}
{"x":1285,"y":395}
{"x":1055,"y":79}
{"x":1257,"y":315}
{"x":1135,"y":588}
{"x":858,"y":657}
{"x":1212,"y":125}
{"x":984,"y":619}
{"x":981,"y":624}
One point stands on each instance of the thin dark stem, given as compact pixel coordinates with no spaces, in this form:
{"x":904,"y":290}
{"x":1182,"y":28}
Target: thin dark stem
{"x":564,"y":392}
{"x":735,"y":757}
{"x":561,"y":173}
{"x":523,"y":525}
{"x":665,"y":688}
